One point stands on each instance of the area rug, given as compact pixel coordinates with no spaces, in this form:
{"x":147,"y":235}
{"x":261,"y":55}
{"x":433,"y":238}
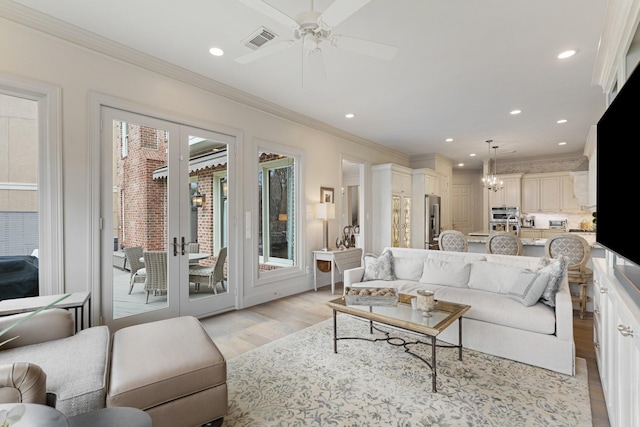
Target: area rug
{"x":299,"y":381}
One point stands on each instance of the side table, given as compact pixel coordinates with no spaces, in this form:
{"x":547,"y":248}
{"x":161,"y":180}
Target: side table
{"x":340,"y":260}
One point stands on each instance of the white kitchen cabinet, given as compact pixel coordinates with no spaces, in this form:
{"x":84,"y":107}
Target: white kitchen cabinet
{"x":510,"y":194}
{"x":400,"y":221}
{"x":431,"y":182}
{"x":617,"y":344}
{"x":530,"y":194}
{"x":548,"y":192}
{"x":527,"y":233}
{"x":391,"y":213}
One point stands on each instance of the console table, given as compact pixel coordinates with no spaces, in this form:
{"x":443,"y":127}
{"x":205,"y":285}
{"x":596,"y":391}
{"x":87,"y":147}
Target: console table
{"x":340,"y":260}
{"x":75,"y":301}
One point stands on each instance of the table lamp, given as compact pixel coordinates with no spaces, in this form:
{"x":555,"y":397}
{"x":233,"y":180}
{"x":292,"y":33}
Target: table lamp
{"x":325,"y":212}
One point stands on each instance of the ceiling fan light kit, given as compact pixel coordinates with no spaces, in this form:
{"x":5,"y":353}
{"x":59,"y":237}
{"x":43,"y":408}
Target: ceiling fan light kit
{"x":314,"y":28}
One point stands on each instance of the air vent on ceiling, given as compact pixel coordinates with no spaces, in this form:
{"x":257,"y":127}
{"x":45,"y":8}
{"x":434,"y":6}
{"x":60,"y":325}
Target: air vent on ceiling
{"x":258,"y":38}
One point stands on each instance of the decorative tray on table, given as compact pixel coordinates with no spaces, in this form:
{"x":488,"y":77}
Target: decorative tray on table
{"x":371,"y":296}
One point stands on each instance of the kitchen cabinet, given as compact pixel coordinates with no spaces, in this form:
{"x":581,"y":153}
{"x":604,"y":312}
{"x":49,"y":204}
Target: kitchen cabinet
{"x":510,"y":194}
{"x":530,"y":194}
{"x":548,"y":192}
{"x":527,"y":233}
{"x":391,"y":221}
{"x":431,"y":182}
{"x":617,"y":344}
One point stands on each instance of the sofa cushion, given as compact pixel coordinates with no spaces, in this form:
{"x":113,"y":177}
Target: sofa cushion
{"x":491,"y":307}
{"x":408,"y":268}
{"x":557,"y":270}
{"x":528,"y":287}
{"x":445,"y":273}
{"x":378,"y":268}
{"x":76,"y":369}
{"x":492,"y":277}
{"x":455,"y":256}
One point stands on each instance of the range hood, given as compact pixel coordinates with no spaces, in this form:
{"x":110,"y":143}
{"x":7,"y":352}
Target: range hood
{"x":581,"y":187}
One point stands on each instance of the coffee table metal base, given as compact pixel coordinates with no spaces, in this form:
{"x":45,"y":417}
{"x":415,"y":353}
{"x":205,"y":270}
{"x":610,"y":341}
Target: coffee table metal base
{"x":401,"y":342}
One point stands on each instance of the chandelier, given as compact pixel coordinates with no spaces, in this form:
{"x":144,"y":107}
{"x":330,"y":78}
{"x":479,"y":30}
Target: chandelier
{"x":491,"y":180}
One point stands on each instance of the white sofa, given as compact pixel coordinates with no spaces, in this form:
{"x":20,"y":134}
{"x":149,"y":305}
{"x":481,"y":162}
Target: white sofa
{"x":497,"y":323}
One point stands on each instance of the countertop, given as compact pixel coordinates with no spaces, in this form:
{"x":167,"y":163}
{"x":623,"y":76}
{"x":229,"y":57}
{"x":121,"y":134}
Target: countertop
{"x":481,"y":237}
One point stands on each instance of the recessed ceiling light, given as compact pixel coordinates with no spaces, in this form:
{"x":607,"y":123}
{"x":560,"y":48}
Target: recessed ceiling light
{"x":562,"y":121}
{"x":349,"y":115}
{"x":562,"y":143}
{"x":449,"y":139}
{"x":566,"y":54}
{"x":472,"y":155}
{"x":461,"y":164}
{"x":216,"y":51}
{"x":514,"y":112}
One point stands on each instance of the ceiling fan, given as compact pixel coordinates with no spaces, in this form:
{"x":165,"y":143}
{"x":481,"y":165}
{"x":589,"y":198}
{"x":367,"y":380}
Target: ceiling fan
{"x":314,"y":29}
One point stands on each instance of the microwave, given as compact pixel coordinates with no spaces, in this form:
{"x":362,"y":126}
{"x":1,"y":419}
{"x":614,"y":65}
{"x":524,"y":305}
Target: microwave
{"x":557,"y":223}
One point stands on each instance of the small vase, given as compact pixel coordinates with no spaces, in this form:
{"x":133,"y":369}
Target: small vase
{"x":426,"y":302}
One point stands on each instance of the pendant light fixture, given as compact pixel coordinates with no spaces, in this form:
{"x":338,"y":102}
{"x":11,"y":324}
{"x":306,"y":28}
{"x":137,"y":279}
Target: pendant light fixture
{"x":491,"y":181}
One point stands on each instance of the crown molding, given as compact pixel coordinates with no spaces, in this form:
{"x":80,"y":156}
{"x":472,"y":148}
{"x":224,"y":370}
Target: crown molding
{"x":619,"y":28}
{"x":78,"y":36}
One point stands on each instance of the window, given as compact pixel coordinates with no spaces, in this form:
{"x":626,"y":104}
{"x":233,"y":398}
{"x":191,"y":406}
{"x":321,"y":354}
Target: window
{"x":276,"y":185}
{"x":30,"y":182}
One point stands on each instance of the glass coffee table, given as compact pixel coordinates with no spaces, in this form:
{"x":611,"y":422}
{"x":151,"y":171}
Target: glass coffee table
{"x":404,"y":317}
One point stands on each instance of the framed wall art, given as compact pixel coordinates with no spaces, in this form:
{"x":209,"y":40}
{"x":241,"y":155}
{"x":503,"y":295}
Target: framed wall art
{"x":326,"y":195}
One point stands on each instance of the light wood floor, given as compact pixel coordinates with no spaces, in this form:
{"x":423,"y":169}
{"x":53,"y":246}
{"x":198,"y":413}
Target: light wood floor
{"x":239,"y":331}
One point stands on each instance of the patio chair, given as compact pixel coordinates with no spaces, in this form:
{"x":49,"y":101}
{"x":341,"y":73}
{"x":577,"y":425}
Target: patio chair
{"x":210,"y":275}
{"x":136,"y":267}
{"x":218,"y":271}
{"x":193,"y":248}
{"x":156,"y":266}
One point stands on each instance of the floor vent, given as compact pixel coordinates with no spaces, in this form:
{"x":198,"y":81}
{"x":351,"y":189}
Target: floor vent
{"x":258,"y":38}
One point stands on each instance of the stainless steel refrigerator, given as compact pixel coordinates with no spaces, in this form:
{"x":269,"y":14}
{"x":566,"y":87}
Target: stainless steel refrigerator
{"x":432,"y":221}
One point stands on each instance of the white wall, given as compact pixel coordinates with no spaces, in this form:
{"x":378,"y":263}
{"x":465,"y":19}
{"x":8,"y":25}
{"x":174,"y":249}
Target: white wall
{"x":79,"y":72}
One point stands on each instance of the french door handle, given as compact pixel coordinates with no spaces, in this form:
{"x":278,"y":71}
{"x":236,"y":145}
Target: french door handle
{"x":175,"y":246}
{"x":184,"y":245}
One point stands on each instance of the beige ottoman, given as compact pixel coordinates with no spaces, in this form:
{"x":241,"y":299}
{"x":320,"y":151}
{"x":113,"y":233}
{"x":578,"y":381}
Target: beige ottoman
{"x":172,"y":370}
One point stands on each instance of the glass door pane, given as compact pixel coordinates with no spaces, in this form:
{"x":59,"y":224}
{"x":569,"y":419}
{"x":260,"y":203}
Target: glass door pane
{"x":208,"y":289}
{"x":141,"y":180}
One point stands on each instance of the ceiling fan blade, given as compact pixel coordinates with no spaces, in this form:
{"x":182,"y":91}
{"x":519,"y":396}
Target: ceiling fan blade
{"x":339,"y":11}
{"x":271,"y":12}
{"x":264,"y":51}
{"x":365,"y":47}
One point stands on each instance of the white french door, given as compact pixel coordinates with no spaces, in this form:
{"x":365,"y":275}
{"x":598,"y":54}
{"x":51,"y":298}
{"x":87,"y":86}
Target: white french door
{"x":152,"y":171}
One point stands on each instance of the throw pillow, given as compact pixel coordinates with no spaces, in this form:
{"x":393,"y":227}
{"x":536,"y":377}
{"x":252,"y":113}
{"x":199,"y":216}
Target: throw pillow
{"x":445,"y":273}
{"x":406,"y":268}
{"x":492,"y":277}
{"x":557,"y":270}
{"x":378,"y":268}
{"x":528,"y":287}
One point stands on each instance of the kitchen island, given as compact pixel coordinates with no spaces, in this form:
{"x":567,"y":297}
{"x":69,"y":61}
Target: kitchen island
{"x":531,"y":247}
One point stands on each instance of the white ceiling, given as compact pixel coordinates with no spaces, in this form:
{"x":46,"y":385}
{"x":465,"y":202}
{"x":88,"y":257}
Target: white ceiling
{"x":461,"y":67}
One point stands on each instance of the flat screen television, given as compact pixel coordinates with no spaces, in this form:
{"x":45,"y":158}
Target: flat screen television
{"x":618,"y":176}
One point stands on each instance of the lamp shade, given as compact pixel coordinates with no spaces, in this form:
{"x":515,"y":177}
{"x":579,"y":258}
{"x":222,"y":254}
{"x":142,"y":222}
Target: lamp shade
{"x":325,"y":211}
